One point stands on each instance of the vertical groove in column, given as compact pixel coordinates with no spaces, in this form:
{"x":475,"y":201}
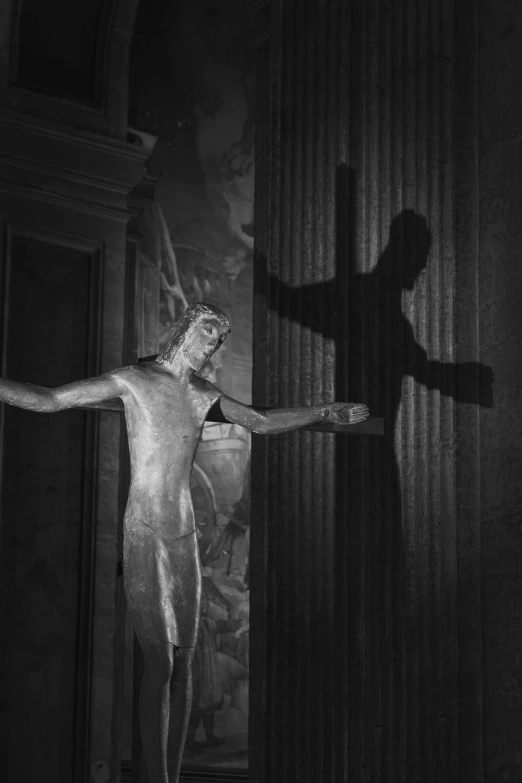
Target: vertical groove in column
{"x":448,"y":725}
{"x":409,"y":432}
{"x":435,"y":262}
{"x":432,"y":342}
{"x":299,"y":680}
{"x":374,"y":725}
{"x":388,"y":371}
{"x":282,"y":490}
{"x":334,"y":730}
{"x":432,"y":397}
{"x":468,"y":502}
{"x":303,"y":395}
{"x":398,"y":154}
{"x":351,"y":519}
{"x":272,"y":462}
{"x":287,"y":494}
{"x":315,"y":272}
{"x":424,"y":95}
{"x":307,"y":652}
{"x":322,"y":362}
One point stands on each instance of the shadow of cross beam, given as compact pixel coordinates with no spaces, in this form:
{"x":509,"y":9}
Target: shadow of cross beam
{"x":372,"y":425}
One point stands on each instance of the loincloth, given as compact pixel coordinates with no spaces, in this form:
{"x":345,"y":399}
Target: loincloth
{"x":162,"y":578}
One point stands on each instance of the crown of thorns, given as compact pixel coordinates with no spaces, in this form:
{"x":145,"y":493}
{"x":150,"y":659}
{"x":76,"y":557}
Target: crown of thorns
{"x":190,"y":318}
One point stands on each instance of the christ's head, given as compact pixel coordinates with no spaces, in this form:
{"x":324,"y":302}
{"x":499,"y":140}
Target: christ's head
{"x":201,"y":331}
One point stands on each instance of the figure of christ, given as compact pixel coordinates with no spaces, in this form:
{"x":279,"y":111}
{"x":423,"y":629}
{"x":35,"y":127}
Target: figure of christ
{"x":166,"y":404}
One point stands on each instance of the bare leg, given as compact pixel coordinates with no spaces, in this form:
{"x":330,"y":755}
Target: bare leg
{"x":155,"y":706}
{"x":180,"y":703}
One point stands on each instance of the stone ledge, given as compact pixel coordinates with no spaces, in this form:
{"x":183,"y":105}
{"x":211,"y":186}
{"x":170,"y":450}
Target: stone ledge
{"x":47,"y":159}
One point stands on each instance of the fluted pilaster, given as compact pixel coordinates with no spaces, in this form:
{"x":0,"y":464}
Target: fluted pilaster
{"x":354,"y":548}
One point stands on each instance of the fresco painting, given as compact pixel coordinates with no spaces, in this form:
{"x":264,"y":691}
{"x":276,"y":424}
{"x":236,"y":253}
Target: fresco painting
{"x":193,"y":108}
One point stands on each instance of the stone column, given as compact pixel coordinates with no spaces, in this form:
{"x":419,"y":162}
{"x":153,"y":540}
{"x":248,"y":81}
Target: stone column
{"x":354,"y":542}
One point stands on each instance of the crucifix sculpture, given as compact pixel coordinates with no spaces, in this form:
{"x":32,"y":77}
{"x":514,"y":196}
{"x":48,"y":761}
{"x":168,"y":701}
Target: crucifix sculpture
{"x":166,"y":405}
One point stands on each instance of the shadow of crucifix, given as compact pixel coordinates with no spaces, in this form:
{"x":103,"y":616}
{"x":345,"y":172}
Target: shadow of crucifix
{"x":376,"y":572}
{"x":362,"y":313}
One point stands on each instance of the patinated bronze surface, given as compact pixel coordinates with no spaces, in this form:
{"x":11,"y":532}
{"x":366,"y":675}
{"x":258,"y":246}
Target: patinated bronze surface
{"x":166,"y":405}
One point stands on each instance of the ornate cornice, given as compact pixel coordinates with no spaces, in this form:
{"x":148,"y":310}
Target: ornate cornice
{"x":56,"y":163}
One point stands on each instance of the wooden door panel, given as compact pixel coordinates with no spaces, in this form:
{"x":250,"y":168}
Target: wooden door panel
{"x":46,"y":522}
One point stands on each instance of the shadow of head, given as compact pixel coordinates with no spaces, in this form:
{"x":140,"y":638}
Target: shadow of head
{"x":408,"y":248}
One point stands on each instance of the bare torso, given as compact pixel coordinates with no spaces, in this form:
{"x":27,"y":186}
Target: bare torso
{"x":165,"y":419}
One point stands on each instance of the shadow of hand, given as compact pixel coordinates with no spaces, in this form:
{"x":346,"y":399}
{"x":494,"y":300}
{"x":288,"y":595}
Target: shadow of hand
{"x":475,"y":384}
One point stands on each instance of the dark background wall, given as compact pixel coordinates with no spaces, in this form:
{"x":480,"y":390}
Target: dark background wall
{"x":385,"y":572}
{"x":47,"y":514}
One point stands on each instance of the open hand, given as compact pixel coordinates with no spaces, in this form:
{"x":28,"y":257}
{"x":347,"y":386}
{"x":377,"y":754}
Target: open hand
{"x":474,"y":384}
{"x":347,"y":412}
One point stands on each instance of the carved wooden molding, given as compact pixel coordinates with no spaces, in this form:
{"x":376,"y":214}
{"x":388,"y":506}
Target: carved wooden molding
{"x":85,"y":606}
{"x":68,"y":167}
{"x":108,"y":115}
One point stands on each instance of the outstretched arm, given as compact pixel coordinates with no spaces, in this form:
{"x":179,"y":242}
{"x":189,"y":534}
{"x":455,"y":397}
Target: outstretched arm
{"x":266,"y":422}
{"x":73,"y":395}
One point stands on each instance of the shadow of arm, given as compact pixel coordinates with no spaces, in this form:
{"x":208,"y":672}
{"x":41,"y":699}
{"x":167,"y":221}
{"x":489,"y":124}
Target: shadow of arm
{"x":465,"y":382}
